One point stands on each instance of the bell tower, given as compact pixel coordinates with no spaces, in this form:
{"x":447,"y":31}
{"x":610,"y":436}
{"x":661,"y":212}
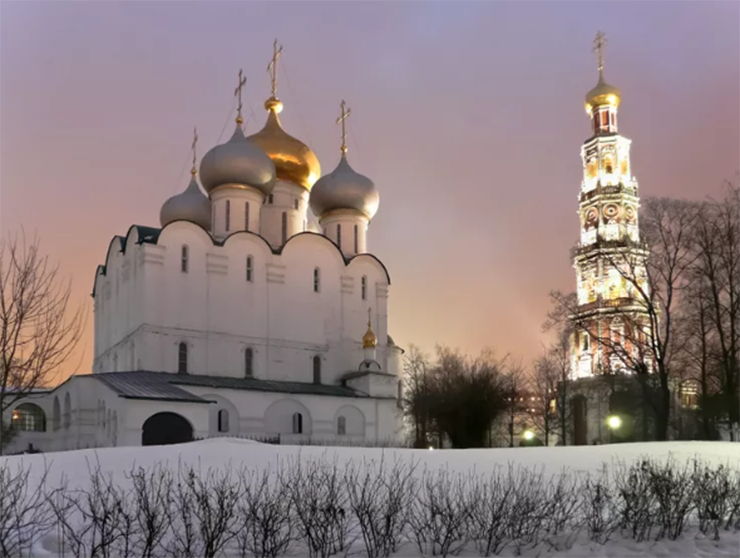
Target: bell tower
{"x":609,"y":238}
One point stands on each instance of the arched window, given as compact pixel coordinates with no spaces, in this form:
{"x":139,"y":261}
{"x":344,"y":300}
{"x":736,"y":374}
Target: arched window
{"x":250,"y":268}
{"x":248,"y":362}
{"x":341,"y":426}
{"x":296,"y":203}
{"x":364,"y":287}
{"x":285,"y":226}
{"x":56,"y":414}
{"x":585,"y":340}
{"x":316,"y":369}
{"x":357,"y":240}
{"x":28,"y":417}
{"x":339,"y":235}
{"x":297,"y":423}
{"x":270,"y":198}
{"x":184,"y":256}
{"x":67,"y":410}
{"x":182,"y":358}
{"x":316,"y":279}
{"x":228,"y":215}
{"x":223,"y":420}
{"x":246,"y":216}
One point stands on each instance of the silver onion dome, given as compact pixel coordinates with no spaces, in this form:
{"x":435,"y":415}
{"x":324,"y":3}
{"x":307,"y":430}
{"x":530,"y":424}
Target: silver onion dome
{"x":238,"y":161}
{"x":343,"y":188}
{"x":190,"y":205}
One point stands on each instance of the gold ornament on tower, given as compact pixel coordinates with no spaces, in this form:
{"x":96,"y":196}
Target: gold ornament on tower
{"x":294,"y":161}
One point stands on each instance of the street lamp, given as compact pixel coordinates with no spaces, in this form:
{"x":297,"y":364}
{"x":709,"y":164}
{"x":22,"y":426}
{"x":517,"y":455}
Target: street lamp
{"x":614,"y":422}
{"x":528,"y":435}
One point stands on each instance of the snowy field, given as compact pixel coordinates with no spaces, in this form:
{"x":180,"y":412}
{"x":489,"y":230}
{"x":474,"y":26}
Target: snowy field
{"x":212,"y":459}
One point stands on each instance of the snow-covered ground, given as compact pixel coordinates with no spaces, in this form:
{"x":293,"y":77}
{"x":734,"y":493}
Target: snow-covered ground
{"x":224,"y":452}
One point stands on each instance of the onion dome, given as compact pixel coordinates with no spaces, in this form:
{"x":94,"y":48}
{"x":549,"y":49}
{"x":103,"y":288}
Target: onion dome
{"x":239,"y":162}
{"x":294,"y":161}
{"x":191,"y":205}
{"x":602,"y":94}
{"x":369,"y":341}
{"x":343,"y":188}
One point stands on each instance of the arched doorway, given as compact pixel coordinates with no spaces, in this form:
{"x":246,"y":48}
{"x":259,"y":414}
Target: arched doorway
{"x":580,"y":432}
{"x":166,"y":428}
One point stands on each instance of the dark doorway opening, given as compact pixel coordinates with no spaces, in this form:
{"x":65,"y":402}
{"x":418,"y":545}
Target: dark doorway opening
{"x":166,"y":428}
{"x":580,"y":432}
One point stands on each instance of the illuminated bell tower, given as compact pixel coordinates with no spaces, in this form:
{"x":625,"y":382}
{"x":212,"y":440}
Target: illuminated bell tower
{"x":608,"y":210}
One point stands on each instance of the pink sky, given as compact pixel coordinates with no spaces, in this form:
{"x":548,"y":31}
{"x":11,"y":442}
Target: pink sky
{"x":468,"y":116}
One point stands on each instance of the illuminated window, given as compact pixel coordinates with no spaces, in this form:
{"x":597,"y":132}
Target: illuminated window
{"x":250,"y":268}
{"x":228,"y":215}
{"x":182,"y":358}
{"x":341,"y":426}
{"x":285,"y":227}
{"x":184,"y":256}
{"x":246,"y":216}
{"x":28,"y":417}
{"x":248,"y":362}
{"x":223,"y":420}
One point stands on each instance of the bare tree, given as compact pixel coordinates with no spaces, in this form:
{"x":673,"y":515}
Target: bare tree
{"x":416,"y":396}
{"x":513,"y":389}
{"x":39,"y":330}
{"x":543,"y":386}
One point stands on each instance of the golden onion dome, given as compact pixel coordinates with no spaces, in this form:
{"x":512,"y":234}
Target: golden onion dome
{"x":369,"y":341}
{"x":293,"y":159}
{"x":603,"y":94}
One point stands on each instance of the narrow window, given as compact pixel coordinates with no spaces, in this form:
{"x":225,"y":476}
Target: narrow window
{"x":182,"y":358}
{"x":316,"y":279}
{"x":339,"y":235}
{"x":246,"y":216}
{"x":297,"y":423}
{"x":285,"y":226}
{"x":341,"y":426}
{"x":250,"y":268}
{"x":184,"y":256}
{"x":296,"y":203}
{"x":248,"y":360}
{"x":357,"y":240}
{"x":270,"y":198}
{"x":317,"y":369}
{"x":585,"y":341}
{"x":364,"y":287}
{"x":228,"y":215}
{"x":223,"y":420}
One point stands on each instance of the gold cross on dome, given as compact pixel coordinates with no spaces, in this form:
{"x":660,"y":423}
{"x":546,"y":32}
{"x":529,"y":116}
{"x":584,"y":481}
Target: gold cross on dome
{"x":345,"y":113}
{"x":193,"y":170}
{"x":369,"y":317}
{"x":599,"y":43}
{"x":238,"y":95}
{"x":272,"y":66}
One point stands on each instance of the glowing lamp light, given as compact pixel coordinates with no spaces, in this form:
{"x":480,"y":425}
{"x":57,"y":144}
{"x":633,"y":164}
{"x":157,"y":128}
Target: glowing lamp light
{"x":16,"y":415}
{"x":528,"y":435}
{"x":431,"y":448}
{"x":614,"y":422}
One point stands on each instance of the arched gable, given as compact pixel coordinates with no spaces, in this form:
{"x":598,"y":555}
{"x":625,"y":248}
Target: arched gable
{"x":374,"y":261}
{"x":221,"y":403}
{"x":354,"y":424}
{"x":278,"y":417}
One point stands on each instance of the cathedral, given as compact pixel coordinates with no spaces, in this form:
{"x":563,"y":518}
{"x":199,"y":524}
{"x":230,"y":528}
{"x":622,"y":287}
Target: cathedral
{"x":238,"y":316}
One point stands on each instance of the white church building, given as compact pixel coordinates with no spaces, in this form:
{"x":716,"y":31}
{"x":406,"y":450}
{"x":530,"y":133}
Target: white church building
{"x":235,"y":318}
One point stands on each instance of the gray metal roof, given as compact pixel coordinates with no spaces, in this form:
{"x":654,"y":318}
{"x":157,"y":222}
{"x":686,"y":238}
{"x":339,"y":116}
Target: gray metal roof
{"x":163,"y":386}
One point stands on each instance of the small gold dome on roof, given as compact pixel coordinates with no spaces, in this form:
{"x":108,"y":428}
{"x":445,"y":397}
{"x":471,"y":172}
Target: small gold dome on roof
{"x":369,"y":341}
{"x":602,"y":94}
{"x":293,"y":159}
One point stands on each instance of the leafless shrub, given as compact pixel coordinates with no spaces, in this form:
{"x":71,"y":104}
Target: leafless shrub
{"x":600,"y":508}
{"x":203,"y":512}
{"x":379,"y":498}
{"x":673,"y":488}
{"x":92,"y":520}
{"x":636,"y":504}
{"x":490,"y":517}
{"x":264,"y":525}
{"x":528,"y":507}
{"x":562,"y":504}
{"x":25,"y":515}
{"x":712,"y":497}
{"x":152,"y":494}
{"x":320,"y":507}
{"x":733,"y":517}
{"x":440,"y":512}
